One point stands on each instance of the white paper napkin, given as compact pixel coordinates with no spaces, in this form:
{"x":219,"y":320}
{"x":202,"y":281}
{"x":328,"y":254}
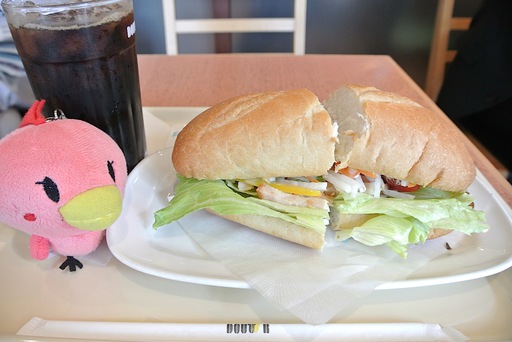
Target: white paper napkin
{"x":125,"y":331}
{"x":313,"y":285}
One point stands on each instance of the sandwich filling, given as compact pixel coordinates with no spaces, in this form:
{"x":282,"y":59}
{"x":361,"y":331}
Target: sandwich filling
{"x":298,"y":200}
{"x":387,"y":211}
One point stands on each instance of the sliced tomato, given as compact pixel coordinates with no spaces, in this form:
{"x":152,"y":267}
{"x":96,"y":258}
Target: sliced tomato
{"x":395,"y":184}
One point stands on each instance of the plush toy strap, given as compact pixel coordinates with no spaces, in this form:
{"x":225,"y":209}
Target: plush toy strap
{"x":34,"y":115}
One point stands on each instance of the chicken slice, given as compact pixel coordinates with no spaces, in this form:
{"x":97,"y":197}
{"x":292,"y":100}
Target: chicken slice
{"x":267,"y":192}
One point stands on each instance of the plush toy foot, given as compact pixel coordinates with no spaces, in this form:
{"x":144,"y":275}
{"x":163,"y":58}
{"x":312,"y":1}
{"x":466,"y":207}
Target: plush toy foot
{"x":72,"y":263}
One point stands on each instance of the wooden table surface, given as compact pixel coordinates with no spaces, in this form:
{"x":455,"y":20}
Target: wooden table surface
{"x":203,"y":80}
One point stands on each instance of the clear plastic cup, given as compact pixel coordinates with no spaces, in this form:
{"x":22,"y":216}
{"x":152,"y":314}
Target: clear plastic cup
{"x":80,"y":57}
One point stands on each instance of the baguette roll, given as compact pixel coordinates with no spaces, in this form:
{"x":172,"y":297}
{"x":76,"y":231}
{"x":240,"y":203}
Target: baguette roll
{"x":264,"y":135}
{"x":392,"y":135}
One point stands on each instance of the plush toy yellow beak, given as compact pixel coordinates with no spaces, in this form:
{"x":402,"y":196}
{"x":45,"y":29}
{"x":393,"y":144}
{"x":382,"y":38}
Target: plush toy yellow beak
{"x":94,"y":209}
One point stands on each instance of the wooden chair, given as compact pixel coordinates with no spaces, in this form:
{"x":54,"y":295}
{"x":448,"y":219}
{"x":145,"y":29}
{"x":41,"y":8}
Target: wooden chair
{"x":174,"y":27}
{"x":440,"y":52}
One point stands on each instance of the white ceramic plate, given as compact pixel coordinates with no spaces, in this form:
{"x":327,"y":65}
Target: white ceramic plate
{"x":170,"y":253}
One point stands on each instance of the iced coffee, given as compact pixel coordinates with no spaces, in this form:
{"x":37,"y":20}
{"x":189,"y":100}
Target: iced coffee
{"x":80,"y":57}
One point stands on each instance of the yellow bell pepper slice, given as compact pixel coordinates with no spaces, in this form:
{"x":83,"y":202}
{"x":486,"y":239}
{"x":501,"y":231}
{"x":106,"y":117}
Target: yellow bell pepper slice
{"x":296,"y":190}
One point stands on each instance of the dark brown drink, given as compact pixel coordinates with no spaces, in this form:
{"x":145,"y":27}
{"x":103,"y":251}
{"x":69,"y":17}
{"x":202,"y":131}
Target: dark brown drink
{"x":89,"y":71}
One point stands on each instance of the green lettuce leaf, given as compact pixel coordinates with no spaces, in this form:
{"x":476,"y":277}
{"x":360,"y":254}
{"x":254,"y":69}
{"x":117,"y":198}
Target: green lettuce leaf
{"x":408,"y":221}
{"x":193,"y":194}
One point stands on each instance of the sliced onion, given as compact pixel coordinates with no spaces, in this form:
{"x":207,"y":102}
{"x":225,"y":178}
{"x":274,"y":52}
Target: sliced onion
{"x":377,"y":183}
{"x":374,"y":186}
{"x":338,"y":184}
{"x":362,"y":186}
{"x":242,"y":186}
{"x":342,"y":182}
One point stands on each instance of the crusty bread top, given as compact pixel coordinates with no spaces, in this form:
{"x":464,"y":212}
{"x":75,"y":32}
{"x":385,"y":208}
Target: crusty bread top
{"x":270,"y":134}
{"x":392,"y":135}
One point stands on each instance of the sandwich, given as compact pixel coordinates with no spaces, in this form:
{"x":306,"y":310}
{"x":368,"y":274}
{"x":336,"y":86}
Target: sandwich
{"x":372,"y":165}
{"x":401,"y":173}
{"x":258,"y":160}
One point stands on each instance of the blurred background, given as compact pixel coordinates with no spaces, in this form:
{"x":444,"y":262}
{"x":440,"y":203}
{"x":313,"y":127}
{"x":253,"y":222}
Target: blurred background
{"x":400,"y":28}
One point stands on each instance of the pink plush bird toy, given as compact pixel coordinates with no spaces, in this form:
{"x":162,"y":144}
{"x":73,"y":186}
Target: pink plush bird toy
{"x":61,"y":181}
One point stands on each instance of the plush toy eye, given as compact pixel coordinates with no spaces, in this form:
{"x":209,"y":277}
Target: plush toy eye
{"x":111,"y":172}
{"x":51,"y":189}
